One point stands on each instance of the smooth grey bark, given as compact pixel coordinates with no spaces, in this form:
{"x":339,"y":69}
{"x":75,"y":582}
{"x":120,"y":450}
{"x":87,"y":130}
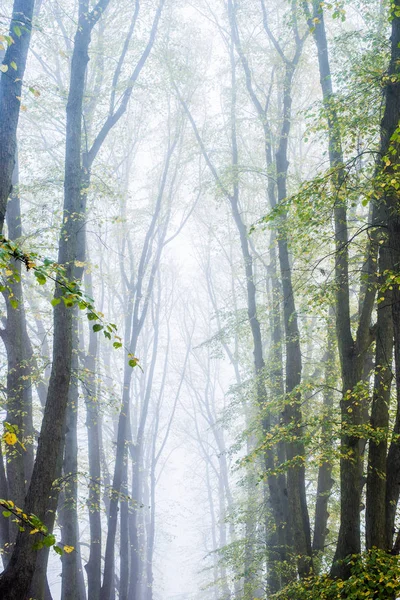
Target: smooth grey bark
{"x":89,"y":360}
{"x":67,"y":509}
{"x":137,"y":461}
{"x":124,"y":549}
{"x":10,"y":93}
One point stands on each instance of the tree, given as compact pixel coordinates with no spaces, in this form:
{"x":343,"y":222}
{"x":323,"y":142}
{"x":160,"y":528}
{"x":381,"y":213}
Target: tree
{"x":12,"y":74}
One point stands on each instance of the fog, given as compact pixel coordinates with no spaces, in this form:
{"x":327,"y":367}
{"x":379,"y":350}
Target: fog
{"x":199,"y":311}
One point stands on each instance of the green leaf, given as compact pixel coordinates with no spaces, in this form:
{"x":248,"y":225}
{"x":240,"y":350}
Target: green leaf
{"x":14,"y":302}
{"x":41,"y":279}
{"x":7,"y":513}
{"x":58,"y":550}
{"x":133,"y":362}
{"x":117,"y":345}
{"x":107,"y":334}
{"x":35,"y":521}
{"x":49,"y":540}
{"x":92,"y":316}
{"x":55,"y":301}
{"x":17,"y":30}
{"x":13,"y":65}
{"x":38,"y":545}
{"x":97,"y":327}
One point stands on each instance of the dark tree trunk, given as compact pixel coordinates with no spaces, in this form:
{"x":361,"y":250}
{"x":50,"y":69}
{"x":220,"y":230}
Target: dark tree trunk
{"x":351,"y":351}
{"x":325,"y":480}
{"x":10,"y":94}
{"x":376,"y":475}
{"x":16,"y":579}
{"x":295,"y":452}
{"x":389,"y":127}
{"x":68,"y":515}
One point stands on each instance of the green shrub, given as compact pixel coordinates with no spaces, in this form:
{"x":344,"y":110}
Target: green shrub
{"x":374,"y":574}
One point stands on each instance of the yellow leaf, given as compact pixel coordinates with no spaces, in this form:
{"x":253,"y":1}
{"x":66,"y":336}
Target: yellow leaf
{"x":10,"y":438}
{"x":68,"y":549}
{"x":34,"y":531}
{"x":3,"y":68}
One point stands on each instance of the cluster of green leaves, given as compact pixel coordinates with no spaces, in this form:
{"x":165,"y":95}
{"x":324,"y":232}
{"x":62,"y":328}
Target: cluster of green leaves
{"x":70,"y":292}
{"x":32,"y":522}
{"x":374,"y":574}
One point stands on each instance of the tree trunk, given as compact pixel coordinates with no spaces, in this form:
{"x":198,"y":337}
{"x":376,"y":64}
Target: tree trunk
{"x":16,"y":579}
{"x":10,"y":94}
{"x":325,"y":480}
{"x":390,"y":152}
{"x":68,"y":515}
{"x":351,"y":352}
{"x":93,"y":566}
{"x":376,"y":476}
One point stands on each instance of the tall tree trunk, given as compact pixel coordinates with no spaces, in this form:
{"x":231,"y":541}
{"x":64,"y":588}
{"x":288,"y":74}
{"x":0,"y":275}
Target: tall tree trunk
{"x":16,"y":579}
{"x":124,"y":548}
{"x":351,"y":351}
{"x":376,"y":476}
{"x":93,"y":566}
{"x":11,"y":82}
{"x":295,"y":451}
{"x":325,"y":481}
{"x":19,"y":372}
{"x":68,"y":510}
{"x":390,"y":152}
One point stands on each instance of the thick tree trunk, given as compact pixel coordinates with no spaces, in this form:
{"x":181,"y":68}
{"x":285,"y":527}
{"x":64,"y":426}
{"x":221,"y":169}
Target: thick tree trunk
{"x":16,"y":579}
{"x":376,"y":476}
{"x":351,"y":352}
{"x":10,"y":94}
{"x":68,"y":515}
{"x":389,"y":128}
